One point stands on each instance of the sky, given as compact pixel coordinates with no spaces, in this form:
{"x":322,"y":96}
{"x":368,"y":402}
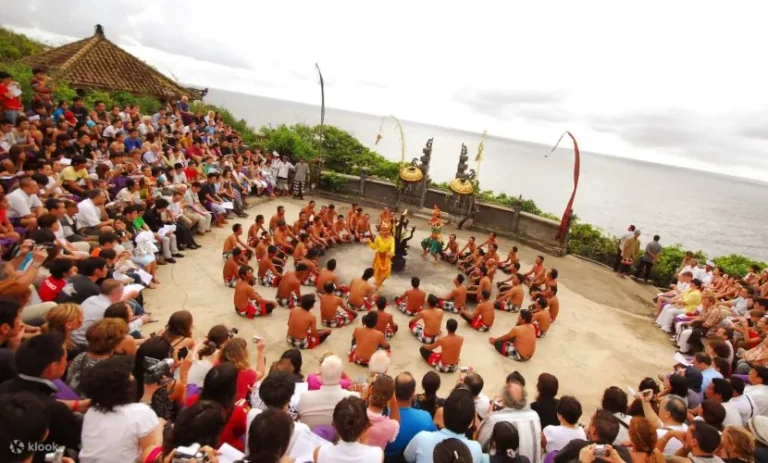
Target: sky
{"x":679,"y":83}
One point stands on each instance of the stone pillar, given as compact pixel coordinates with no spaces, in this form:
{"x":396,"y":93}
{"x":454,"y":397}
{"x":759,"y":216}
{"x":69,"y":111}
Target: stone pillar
{"x":424,"y":188}
{"x":363,"y":178}
{"x":518,"y":207}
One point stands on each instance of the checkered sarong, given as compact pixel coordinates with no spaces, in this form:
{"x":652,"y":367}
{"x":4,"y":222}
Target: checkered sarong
{"x":230,"y":282}
{"x":449,"y":306}
{"x":269,"y":279}
{"x":343,"y":318}
{"x":418,"y":330}
{"x":289,"y":302}
{"x":402,"y":306}
{"x":477,"y":323}
{"x":508,"y":350}
{"x":506,"y":306}
{"x":436,"y":361}
{"x":254,"y":309}
{"x":310,"y":342}
{"x":310,"y":280}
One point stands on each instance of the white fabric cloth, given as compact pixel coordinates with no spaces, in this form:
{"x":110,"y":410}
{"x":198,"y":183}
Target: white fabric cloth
{"x":198,"y":370}
{"x":114,"y":436}
{"x":559,"y":436}
{"x":482,"y":405}
{"x":759,"y":395}
{"x":673,"y":445}
{"x":88,"y":214}
{"x":746,"y":407}
{"x":623,"y":435}
{"x":21,"y":204}
{"x":528,"y":427}
{"x":732,"y":415}
{"x":315,"y":408}
{"x":349,"y":452}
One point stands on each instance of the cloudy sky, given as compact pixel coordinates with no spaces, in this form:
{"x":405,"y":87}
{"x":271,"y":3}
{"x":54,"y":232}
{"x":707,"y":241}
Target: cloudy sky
{"x":680,"y":82}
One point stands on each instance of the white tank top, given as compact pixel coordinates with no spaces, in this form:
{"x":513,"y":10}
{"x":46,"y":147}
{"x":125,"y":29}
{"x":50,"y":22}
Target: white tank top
{"x":349,"y":452}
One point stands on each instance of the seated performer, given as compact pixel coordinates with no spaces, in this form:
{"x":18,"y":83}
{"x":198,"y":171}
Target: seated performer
{"x":490,"y":241}
{"x":534,"y":278}
{"x":269,"y":273}
{"x":302,"y":326}
{"x":457,"y":299}
{"x":473,"y":261}
{"x":512,"y":258}
{"x":254,"y":230}
{"x":333,"y":310}
{"x":520,"y":343}
{"x":412,"y":300}
{"x":506,"y":285}
{"x":541,"y":320}
{"x":353,"y":216}
{"x":232,"y":265}
{"x":283,"y":237}
{"x":484,"y":284}
{"x":310,"y":261}
{"x":550,"y":279}
{"x":248,"y":302}
{"x":362,"y":294}
{"x":447,"y":360}
{"x":511,"y":300}
{"x":433,"y":320}
{"x":318,"y":235}
{"x":262,"y":248}
{"x":553,"y":302}
{"x":451,"y":251}
{"x":275,"y":220}
{"x":300,"y":224}
{"x":309,"y":210}
{"x":385,"y":323}
{"x":366,"y":340}
{"x":342,"y":230}
{"x":302,"y":247}
{"x":482,"y":318}
{"x":363,"y":229}
{"x":493,"y":253}
{"x":233,"y":241}
{"x":289,"y":288}
{"x":468,"y":249}
{"x":326,"y":275}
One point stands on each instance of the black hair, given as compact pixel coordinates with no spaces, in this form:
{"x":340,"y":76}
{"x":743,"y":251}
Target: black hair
{"x":504,"y":438}
{"x":59,"y":268}
{"x":679,"y":385}
{"x":350,"y":418}
{"x":93,"y":193}
{"x":722,"y":366}
{"x":294,"y":356}
{"x":307,"y":301}
{"x":118,"y":310}
{"x":541,"y":302}
{"x":269,"y":436}
{"x":415,"y":282}
{"x":243,"y":270}
{"x":236,"y":227}
{"x":381,"y":303}
{"x":713,"y":413}
{"x":107,"y":237}
{"x":156,"y":347}
{"x":547,"y":386}
{"x":656,"y":237}
{"x":486,"y":294}
{"x":328,"y":287}
{"x":9,"y":311}
{"x":405,"y":386}
{"x":90,"y":265}
{"x":614,"y":400}
{"x":107,"y":254}
{"x":701,"y":357}
{"x":220,"y":385}
{"x":452,"y":450}
{"x":606,"y":426}
{"x":676,"y":408}
{"x":696,"y":282}
{"x":459,"y":411}
{"x":460,"y":278}
{"x":259,"y":217}
{"x":706,"y":435}
{"x":553,"y":273}
{"x":108,"y":383}
{"x":200,"y":423}
{"x":23,"y":418}
{"x":46,"y":220}
{"x":370,"y":319}
{"x":525,"y":314}
{"x":475,"y":383}
{"x":277,"y":389}
{"x":236,"y":252}
{"x":432,"y":300}
{"x":722,"y":388}
{"x":301,"y":267}
{"x":569,"y":408}
{"x":737,"y":384}
{"x":367,"y":273}
{"x":451,"y":325}
{"x":37,"y":353}
{"x":331,"y":264}
{"x":430,"y":382}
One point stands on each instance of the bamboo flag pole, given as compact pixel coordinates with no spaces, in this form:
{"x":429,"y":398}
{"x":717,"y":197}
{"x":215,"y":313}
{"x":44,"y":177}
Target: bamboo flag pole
{"x":402,"y":135}
{"x":479,"y":157}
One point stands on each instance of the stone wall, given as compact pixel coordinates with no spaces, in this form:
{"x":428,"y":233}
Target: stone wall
{"x":532,"y":230}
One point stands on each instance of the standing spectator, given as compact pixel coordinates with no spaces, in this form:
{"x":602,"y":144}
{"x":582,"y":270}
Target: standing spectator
{"x":517,"y":412}
{"x":412,"y":420}
{"x":284,"y":169}
{"x":10,"y":97}
{"x":350,"y":421}
{"x":40,"y":361}
{"x":458,"y":416}
{"x":300,"y":177}
{"x":557,"y":437}
{"x":629,"y":253}
{"x":43,"y":87}
{"x":546,"y":403}
{"x":115,"y":428}
{"x":651,"y":255}
{"x":620,"y":249}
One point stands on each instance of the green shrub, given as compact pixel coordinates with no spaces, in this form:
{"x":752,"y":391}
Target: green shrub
{"x":15,"y":46}
{"x":590,"y":241}
{"x":735,"y":264}
{"x":332,"y":181}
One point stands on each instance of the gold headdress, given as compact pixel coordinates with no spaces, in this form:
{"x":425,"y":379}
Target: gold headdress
{"x":385,"y":226}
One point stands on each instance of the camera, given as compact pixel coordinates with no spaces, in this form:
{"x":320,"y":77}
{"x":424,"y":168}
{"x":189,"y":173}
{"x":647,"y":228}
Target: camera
{"x":155,"y":370}
{"x":233,"y":332}
{"x":189,"y":454}
{"x":56,"y":456}
{"x":600,"y":450}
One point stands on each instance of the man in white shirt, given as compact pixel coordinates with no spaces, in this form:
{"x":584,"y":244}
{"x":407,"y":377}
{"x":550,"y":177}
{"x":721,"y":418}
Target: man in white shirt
{"x":89,"y":214}
{"x":24,"y":207}
{"x":275,"y":392}
{"x":152,"y":156}
{"x":284,"y":168}
{"x":743,"y":403}
{"x":112,"y":292}
{"x":704,"y":274}
{"x":315,"y":408}
{"x":475,"y":384}
{"x":672,"y":415}
{"x":517,"y":412}
{"x":112,"y":130}
{"x":758,"y":391}
{"x":721,"y":391}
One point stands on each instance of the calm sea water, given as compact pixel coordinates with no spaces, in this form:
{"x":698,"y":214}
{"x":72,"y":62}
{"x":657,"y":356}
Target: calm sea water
{"x":717,"y":214}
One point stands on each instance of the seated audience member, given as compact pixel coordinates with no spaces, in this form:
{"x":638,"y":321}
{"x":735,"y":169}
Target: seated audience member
{"x":737,"y":444}
{"x":504,"y":445}
{"x":220,"y":387}
{"x":758,"y":389}
{"x":103,"y":338}
{"x":111,"y":292}
{"x":432,"y":318}
{"x":316,"y":408}
{"x":271,"y":438}
{"x":115,"y":427}
{"x":557,"y":437}
{"x":248,"y":302}
{"x":83,"y":285}
{"x":671,"y":418}
{"x":61,"y":270}
{"x":615,"y":401}
{"x":515,"y":410}
{"x":366,"y":340}
{"x":721,"y":391}
{"x":302,"y":326}
{"x":701,"y":441}
{"x":757,"y":426}
{"x":447,"y":360}
{"x":456,"y":300}
{"x":314,"y":381}
{"x":411,"y":301}
{"x":458,"y":416}
{"x":236,"y":353}
{"x":520,"y":343}
{"x":602,"y":430}
{"x":200,"y":423}
{"x":383,"y":428}
{"x":275,"y":393}
{"x":482,"y":317}
{"x":546,"y":403}
{"x":475,"y":384}
{"x":428,"y":400}
{"x":743,"y":403}
{"x":23,"y":418}
{"x":450,"y":451}
{"x":40,"y":361}
{"x":412,"y":420}
{"x":350,"y":421}
{"x":62,"y":320}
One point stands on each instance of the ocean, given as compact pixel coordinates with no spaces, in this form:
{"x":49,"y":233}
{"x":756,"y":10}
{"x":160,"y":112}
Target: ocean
{"x":717,"y":214}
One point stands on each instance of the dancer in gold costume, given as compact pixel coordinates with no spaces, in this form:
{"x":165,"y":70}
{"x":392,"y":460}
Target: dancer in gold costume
{"x":384,"y":245}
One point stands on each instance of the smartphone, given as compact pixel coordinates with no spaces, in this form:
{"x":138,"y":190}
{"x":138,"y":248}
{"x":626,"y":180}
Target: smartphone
{"x":632,"y":392}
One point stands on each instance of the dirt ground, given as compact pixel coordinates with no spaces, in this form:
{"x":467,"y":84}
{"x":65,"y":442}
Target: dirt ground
{"x":603,"y":336}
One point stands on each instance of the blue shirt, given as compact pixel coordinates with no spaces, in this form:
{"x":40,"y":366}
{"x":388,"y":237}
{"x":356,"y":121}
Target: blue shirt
{"x":707,"y":376}
{"x":59,"y":112}
{"x":131,"y":143}
{"x":423,"y":444}
{"x":412,"y":422}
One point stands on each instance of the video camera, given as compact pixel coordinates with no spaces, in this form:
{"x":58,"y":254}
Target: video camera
{"x":233,"y":332}
{"x":189,"y":454}
{"x":155,"y":370}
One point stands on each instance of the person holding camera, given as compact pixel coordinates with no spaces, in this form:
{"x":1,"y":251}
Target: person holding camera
{"x":602,"y":431}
